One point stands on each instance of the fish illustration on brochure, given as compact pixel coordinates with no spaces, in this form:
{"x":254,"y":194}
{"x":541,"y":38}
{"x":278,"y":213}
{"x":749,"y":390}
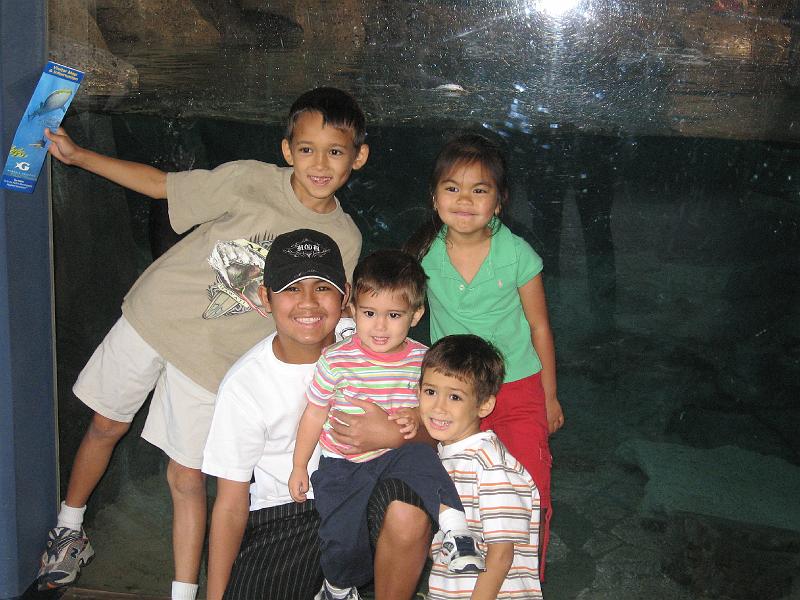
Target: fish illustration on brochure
{"x":48,"y":105}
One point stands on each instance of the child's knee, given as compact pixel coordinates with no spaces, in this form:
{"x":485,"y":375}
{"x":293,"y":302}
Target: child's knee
{"x":185,"y":481}
{"x":406,"y":525}
{"x":104,"y":428}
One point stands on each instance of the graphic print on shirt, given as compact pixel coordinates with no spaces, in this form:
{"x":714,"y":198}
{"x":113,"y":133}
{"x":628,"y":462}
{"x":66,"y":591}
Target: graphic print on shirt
{"x":239,"y":265}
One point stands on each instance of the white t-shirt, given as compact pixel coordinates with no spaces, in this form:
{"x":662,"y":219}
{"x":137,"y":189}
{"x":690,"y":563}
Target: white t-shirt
{"x":254,"y":429}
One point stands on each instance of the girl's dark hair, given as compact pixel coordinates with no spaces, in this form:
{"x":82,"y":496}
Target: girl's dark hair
{"x":464,"y":149}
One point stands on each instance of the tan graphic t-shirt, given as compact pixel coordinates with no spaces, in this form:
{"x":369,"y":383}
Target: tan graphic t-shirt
{"x":197,"y":305}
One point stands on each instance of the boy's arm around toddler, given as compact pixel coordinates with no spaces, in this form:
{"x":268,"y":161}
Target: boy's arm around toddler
{"x":373,"y":429}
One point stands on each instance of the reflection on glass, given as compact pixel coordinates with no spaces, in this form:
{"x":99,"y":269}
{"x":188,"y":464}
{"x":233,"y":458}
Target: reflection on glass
{"x":556,"y":8}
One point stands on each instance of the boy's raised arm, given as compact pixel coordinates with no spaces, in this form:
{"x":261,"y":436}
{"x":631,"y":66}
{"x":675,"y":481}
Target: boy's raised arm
{"x":228,"y":521}
{"x":135,"y":176}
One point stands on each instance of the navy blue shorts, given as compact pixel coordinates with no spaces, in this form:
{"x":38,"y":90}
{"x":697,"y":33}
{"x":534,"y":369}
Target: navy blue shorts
{"x":342,"y":490}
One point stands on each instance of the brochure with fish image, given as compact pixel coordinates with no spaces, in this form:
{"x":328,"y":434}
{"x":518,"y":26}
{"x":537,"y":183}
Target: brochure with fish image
{"x":49,"y":103}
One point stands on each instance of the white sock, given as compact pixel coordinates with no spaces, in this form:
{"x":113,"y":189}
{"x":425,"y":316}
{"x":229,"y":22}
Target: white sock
{"x":183,"y":591}
{"x":337,"y":592}
{"x":451,"y":519}
{"x":70,"y":517}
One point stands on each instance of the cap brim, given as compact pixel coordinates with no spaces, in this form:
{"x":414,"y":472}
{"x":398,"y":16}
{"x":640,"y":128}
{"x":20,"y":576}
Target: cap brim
{"x":312,"y":276}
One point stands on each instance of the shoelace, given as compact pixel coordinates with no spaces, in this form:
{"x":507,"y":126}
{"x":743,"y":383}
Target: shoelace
{"x":61,"y":541}
{"x":464,"y":545}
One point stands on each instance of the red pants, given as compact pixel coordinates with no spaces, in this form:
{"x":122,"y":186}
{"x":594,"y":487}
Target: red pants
{"x":520,"y":421}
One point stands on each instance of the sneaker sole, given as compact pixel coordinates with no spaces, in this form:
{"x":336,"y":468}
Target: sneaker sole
{"x":465,"y":566}
{"x":467,"y":569}
{"x":50,"y":581}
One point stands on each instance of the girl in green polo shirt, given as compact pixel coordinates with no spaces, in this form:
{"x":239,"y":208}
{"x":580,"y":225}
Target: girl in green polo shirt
{"x":487,"y":281}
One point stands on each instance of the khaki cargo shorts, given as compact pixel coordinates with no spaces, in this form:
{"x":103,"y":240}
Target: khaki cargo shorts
{"x":122,"y":372}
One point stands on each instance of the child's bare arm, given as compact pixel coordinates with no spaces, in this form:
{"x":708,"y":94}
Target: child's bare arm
{"x":498,"y":562}
{"x":534,"y":305}
{"x":228,"y":521}
{"x":308,"y":432}
{"x":135,"y":176}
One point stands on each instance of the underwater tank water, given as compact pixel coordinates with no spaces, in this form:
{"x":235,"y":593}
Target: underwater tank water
{"x":655,"y":157}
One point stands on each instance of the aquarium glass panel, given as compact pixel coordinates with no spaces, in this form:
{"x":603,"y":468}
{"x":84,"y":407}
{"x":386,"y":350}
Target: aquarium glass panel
{"x":653,"y":153}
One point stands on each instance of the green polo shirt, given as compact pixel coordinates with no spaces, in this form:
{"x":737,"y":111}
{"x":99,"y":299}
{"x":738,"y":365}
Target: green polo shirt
{"x":489,"y":305}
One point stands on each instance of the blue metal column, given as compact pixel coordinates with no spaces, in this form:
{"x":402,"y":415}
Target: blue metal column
{"x":28,"y":473}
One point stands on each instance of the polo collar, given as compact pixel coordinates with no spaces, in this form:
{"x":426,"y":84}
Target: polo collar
{"x":499,"y":256}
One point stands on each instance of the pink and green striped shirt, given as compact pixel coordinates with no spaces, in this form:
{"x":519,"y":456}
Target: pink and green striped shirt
{"x":349,"y":370}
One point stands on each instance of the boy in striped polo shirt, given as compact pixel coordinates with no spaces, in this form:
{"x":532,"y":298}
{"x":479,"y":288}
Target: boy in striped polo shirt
{"x":461,"y":374}
{"x":379,"y":364}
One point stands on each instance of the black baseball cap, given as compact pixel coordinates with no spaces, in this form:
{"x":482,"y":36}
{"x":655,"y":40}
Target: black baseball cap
{"x":302,"y":254}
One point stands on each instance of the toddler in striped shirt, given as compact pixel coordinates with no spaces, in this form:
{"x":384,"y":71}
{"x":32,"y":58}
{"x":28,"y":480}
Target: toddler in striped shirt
{"x":461,"y":375}
{"x":379,"y":364}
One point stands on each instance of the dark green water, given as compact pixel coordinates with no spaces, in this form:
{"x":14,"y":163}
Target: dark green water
{"x":671,"y":268}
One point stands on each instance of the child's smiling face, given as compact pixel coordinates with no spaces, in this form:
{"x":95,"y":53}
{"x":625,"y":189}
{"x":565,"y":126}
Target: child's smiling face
{"x":323,"y":157}
{"x":466,"y":199}
{"x":449,"y":407}
{"x":305,"y":314}
{"x":383,"y":320}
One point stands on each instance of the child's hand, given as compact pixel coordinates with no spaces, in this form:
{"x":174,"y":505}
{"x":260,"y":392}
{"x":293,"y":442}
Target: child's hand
{"x":298,"y":484}
{"x":62,"y":146}
{"x":555,"y":416}
{"x":408,"y":419}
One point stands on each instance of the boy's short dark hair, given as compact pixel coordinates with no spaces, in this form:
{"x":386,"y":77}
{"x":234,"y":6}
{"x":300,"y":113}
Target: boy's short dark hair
{"x":469,"y":358}
{"x":391,"y":271}
{"x":338,"y":109}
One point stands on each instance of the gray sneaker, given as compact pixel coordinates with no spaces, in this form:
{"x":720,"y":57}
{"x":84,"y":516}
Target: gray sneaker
{"x":460,"y":553}
{"x":327,"y":594}
{"x":67,"y":552}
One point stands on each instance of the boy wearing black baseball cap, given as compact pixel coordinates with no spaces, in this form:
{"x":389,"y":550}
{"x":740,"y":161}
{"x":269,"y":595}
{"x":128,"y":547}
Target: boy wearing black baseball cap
{"x":253,"y":433}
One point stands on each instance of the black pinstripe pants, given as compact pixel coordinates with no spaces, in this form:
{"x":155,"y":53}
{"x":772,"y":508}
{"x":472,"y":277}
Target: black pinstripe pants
{"x":279,"y":555}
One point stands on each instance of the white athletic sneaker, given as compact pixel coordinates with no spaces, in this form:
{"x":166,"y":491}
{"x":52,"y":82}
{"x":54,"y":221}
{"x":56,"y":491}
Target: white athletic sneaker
{"x":460,"y":553}
{"x":68,"y":550}
{"x":326,"y":593}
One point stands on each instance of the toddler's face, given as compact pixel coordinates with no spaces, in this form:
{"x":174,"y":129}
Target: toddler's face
{"x":383,"y":320}
{"x":449,"y":407}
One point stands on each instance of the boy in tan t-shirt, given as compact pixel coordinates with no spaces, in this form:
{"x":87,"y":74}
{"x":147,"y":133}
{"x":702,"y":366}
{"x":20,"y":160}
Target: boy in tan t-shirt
{"x":196,"y":309}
